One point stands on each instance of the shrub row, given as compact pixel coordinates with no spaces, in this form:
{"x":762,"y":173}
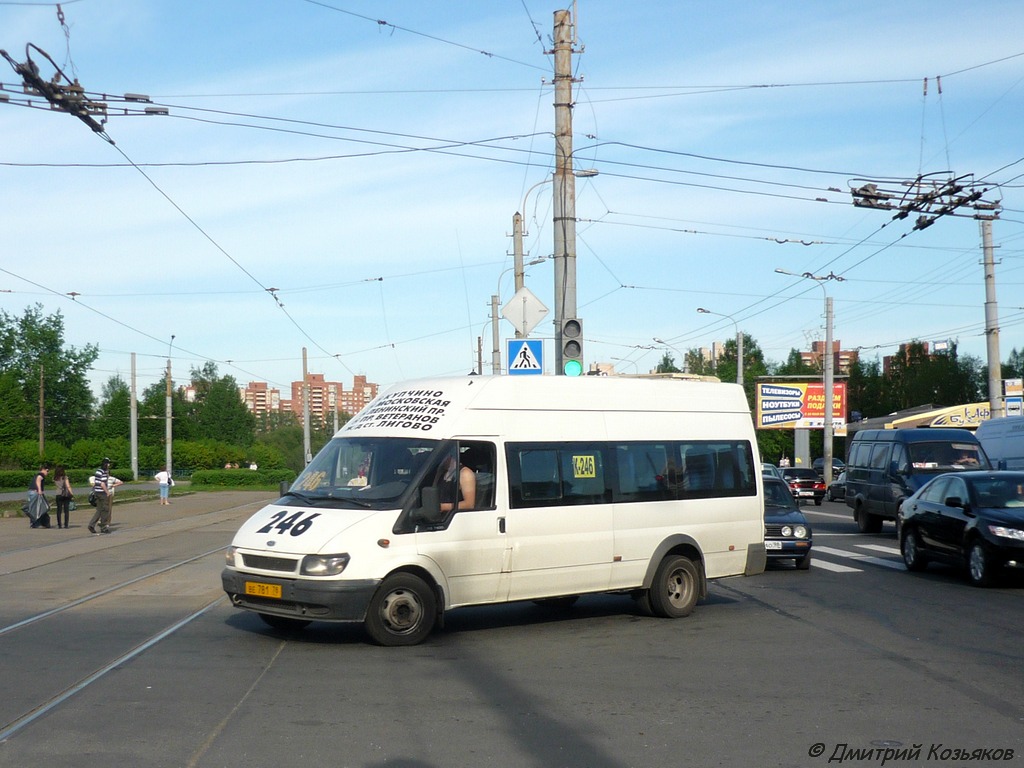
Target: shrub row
{"x":235,"y":478}
{"x":23,"y":478}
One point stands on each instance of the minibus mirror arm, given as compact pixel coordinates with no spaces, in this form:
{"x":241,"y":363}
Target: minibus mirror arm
{"x":429,"y":510}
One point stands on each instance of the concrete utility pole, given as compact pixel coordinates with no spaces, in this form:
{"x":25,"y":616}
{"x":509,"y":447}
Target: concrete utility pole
{"x":933,"y":199}
{"x":495,"y":337}
{"x":996,"y":404}
{"x":133,"y":422}
{"x":564,"y":204}
{"x":307,"y":448}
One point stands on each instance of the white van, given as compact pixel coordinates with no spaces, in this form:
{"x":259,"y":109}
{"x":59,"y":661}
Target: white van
{"x":1003,"y":441}
{"x":563,"y":486}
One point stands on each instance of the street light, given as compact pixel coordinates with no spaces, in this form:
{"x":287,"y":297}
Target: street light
{"x":682,"y":357}
{"x":828,"y":373}
{"x":739,"y":341}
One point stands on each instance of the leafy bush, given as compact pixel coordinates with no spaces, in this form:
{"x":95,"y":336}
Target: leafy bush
{"x":235,"y":478}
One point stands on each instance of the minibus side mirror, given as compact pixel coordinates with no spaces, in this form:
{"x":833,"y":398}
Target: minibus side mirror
{"x":429,"y":511}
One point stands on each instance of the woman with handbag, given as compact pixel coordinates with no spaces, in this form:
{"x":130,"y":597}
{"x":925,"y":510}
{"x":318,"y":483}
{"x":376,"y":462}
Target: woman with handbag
{"x":64,"y":496}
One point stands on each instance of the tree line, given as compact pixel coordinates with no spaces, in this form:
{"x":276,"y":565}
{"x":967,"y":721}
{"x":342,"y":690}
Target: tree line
{"x":210,"y":431}
{"x":914,"y":377}
{"x":216,"y":428}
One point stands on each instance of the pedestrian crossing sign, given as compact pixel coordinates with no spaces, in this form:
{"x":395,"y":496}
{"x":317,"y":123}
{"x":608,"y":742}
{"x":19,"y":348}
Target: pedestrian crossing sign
{"x":525,"y":356}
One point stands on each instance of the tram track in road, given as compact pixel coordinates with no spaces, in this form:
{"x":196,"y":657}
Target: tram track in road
{"x":11,"y":728}
{"x":80,"y":607}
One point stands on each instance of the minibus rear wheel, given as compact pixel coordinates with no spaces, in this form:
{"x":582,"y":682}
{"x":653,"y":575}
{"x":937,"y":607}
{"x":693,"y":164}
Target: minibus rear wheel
{"x":402,"y":612}
{"x":674,"y":591}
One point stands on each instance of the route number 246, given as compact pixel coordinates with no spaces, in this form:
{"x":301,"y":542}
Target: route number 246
{"x":285,"y":523}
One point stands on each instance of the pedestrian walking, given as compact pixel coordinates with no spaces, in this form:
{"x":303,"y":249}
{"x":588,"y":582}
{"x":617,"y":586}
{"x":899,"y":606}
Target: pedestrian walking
{"x":104,"y":498}
{"x":64,"y":495}
{"x":36,"y":507}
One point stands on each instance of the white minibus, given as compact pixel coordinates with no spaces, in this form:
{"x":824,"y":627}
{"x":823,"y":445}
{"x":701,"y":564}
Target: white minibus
{"x":453,"y":492}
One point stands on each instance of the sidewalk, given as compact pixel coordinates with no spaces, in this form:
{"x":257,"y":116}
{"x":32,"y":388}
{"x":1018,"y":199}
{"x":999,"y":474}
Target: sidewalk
{"x":17,"y":536}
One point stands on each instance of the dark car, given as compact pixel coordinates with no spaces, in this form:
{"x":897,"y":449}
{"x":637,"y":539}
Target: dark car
{"x":786,"y":531}
{"x":818,"y":465}
{"x":973,"y":519}
{"x":805,"y":484}
{"x":837,"y":488}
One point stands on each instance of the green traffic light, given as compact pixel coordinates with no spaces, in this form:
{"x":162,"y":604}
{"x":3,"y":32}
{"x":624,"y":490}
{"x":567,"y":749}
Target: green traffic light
{"x":572,"y":368}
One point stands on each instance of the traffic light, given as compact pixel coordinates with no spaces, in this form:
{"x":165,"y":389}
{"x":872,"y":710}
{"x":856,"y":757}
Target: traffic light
{"x":572,"y":346}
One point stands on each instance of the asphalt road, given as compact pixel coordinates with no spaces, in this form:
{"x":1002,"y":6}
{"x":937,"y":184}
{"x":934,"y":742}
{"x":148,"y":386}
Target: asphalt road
{"x":120,"y":650}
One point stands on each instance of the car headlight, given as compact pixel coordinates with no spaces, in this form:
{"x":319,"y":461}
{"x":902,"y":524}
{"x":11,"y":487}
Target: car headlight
{"x":800,"y":531}
{"x":229,"y":556}
{"x":1007,"y":533}
{"x":787,"y":530}
{"x":323,"y":565}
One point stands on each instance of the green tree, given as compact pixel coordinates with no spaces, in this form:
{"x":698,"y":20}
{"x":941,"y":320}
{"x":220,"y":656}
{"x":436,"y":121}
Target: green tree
{"x":113,"y":417}
{"x":32,"y":351}
{"x":218,"y":413}
{"x":667,"y":365}
{"x":18,"y":417}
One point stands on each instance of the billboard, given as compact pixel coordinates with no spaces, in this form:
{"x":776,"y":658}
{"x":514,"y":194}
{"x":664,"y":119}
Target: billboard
{"x":783,"y":405}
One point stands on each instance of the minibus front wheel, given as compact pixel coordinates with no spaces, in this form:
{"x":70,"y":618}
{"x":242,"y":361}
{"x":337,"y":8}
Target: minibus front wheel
{"x":675,"y":589}
{"x":402,"y":612}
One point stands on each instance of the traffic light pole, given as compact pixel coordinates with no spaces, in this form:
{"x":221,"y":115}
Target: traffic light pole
{"x":564,"y":206}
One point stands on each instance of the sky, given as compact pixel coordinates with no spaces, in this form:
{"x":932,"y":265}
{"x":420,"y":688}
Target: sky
{"x":341,"y":177}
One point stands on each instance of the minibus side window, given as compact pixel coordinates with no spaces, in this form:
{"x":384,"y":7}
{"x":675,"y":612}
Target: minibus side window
{"x":879,"y":455}
{"x":647,"y":471}
{"x":545,"y":475}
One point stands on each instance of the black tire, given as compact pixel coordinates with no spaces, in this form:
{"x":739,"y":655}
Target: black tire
{"x":830,"y":495}
{"x":403,"y":611}
{"x":284,"y":623}
{"x":981,"y":565}
{"x":804,"y":563}
{"x":914,"y":557}
{"x":868,"y":523}
{"x":675,"y":589}
{"x":817,"y":502}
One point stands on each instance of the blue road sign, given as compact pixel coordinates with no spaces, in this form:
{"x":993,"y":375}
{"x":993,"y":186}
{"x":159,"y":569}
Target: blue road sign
{"x":525,"y":356}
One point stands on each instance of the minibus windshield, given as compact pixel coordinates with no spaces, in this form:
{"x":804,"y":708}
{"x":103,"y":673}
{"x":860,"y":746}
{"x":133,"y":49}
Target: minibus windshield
{"x":372,"y":472}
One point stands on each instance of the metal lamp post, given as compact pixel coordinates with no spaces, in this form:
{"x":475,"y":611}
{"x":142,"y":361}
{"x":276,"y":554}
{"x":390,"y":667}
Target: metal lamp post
{"x":739,"y":341}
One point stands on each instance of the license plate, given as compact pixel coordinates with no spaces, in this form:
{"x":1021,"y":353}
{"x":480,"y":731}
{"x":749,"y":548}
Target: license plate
{"x":262,"y":590}
{"x":773,"y":545}
{"x":806,"y":493}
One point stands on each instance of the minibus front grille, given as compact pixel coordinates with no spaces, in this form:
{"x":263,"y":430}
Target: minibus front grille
{"x":265,"y":563}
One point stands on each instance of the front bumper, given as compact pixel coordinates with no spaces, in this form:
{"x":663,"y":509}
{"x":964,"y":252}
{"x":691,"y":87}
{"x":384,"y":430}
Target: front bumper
{"x":790,"y":548}
{"x":302,"y":598}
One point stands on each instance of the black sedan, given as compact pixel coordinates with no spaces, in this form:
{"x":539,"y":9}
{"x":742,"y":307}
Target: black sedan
{"x":837,"y":488}
{"x":786,"y":531}
{"x":805,"y":484}
{"x":973,"y":519}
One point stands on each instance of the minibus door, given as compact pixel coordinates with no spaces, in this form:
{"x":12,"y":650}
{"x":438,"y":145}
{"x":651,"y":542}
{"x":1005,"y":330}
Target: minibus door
{"x":468,"y":543}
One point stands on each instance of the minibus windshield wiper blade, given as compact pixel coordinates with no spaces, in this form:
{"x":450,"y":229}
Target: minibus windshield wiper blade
{"x":308,"y":499}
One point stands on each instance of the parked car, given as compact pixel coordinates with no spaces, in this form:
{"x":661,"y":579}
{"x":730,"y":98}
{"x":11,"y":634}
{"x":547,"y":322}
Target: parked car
{"x":973,"y":519}
{"x":837,"y":488}
{"x":770,"y":470}
{"x":805,"y":484}
{"x":787,"y":534}
{"x":818,"y":465}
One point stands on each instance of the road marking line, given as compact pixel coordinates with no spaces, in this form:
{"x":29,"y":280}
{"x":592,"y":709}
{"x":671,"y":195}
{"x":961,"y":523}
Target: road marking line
{"x":861,"y":558}
{"x":889,"y":550}
{"x":825,"y":565}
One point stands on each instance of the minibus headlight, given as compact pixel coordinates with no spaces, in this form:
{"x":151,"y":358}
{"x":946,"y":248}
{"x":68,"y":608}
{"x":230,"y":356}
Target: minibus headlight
{"x":229,"y":556}
{"x":323,"y":565}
